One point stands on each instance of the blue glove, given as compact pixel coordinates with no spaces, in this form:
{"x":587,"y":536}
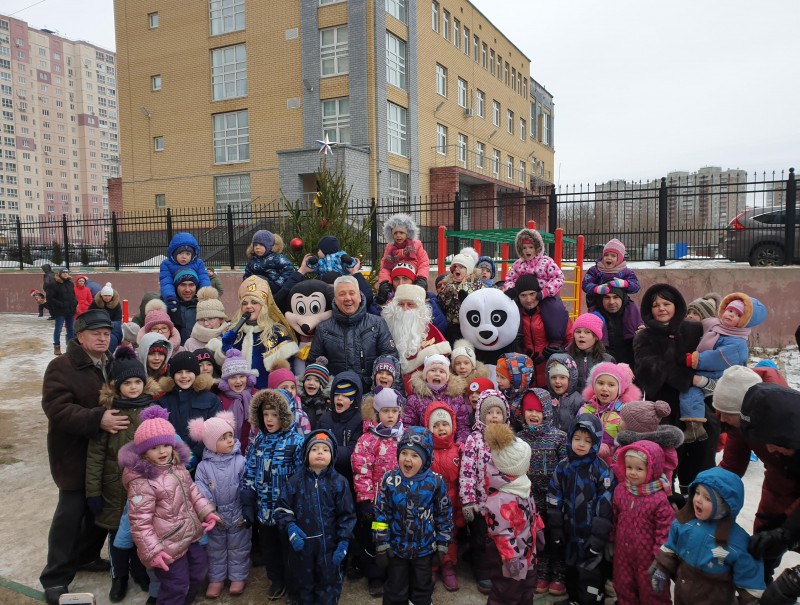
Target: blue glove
{"x":95,"y":504}
{"x":228,"y":339}
{"x":296,"y":537}
{"x":248,"y":498}
{"x":340,"y":553}
{"x":172,"y":304}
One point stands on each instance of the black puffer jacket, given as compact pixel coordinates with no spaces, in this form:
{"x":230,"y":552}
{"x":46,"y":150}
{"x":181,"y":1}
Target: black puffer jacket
{"x":353,"y":343}
{"x":61,"y":297}
{"x":659,"y":351}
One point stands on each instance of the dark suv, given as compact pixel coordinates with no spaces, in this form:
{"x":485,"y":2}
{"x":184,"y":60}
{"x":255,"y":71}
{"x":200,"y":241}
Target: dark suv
{"x":758,"y":236}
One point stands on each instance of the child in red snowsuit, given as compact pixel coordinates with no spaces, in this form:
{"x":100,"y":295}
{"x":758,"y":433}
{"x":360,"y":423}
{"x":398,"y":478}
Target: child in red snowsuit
{"x":642,"y":518}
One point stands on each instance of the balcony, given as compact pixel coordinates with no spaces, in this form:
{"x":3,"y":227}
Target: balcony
{"x":473,"y":166}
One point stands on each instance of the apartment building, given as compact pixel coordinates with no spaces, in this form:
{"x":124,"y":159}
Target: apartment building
{"x":223,"y":102}
{"x":59,"y":128}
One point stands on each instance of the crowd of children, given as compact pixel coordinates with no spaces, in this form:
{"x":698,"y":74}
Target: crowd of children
{"x":555,"y":475}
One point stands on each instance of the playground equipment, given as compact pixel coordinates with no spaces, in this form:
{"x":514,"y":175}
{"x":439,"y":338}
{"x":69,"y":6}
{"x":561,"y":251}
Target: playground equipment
{"x":571,"y":292}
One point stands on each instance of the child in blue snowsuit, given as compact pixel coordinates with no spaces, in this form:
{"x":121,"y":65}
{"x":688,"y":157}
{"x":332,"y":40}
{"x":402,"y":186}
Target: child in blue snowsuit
{"x":316,"y":511}
{"x":413,"y":522}
{"x":706,"y":550}
{"x":183,"y":253}
{"x":579,"y":510}
{"x":724,"y":344}
{"x":330,"y":259}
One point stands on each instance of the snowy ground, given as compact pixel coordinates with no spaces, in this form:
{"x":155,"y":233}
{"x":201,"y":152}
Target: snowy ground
{"x":29,"y":495}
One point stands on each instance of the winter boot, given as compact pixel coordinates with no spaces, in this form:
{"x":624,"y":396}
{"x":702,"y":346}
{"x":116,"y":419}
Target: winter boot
{"x":237,"y":588}
{"x":214,"y":589}
{"x":56,"y":349}
{"x":119,"y":588}
{"x":694,"y":431}
{"x":449,"y":578}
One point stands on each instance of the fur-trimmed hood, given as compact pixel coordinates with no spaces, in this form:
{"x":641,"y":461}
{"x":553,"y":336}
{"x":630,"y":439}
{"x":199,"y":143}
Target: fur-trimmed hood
{"x":202,"y":382}
{"x":61,"y":280}
{"x":112,"y":304}
{"x":400,"y":220}
{"x":754,"y":310}
{"x":129,"y":459}
{"x":455,"y":386}
{"x":108,"y":395}
{"x":666,"y":435}
{"x":538,"y":242}
{"x":270,"y":400}
{"x":149,"y":340}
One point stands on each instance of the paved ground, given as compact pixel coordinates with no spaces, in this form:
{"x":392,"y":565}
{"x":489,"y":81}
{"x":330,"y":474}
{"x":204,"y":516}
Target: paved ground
{"x":29,"y":495}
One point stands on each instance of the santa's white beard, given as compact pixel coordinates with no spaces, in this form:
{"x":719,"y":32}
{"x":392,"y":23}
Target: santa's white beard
{"x":408,"y":327}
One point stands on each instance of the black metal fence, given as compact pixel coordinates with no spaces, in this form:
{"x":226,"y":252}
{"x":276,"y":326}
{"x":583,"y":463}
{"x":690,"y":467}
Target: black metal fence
{"x":692,"y":217}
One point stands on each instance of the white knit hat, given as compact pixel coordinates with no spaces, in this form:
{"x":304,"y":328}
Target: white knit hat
{"x":436,"y":359}
{"x":511,"y":455}
{"x":107,"y":290}
{"x":731,"y":387}
{"x":467,"y":257}
{"x":439,"y":415}
{"x":463,"y":348}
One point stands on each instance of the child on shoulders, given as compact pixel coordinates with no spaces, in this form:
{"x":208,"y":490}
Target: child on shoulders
{"x":330,"y":259}
{"x":265,"y":259}
{"x":404,"y":246}
{"x":610,"y":271}
{"x":183,"y":253}
{"x":463,"y":279}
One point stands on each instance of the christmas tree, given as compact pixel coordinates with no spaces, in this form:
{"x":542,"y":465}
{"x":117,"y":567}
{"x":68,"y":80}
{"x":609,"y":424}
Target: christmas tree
{"x":327,"y":214}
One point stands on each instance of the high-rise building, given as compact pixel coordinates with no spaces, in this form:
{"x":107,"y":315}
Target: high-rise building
{"x":59,"y":128}
{"x":223,"y":101}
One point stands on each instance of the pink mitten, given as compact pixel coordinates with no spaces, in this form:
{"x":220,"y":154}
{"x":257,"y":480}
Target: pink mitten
{"x":605,"y":451}
{"x":162,"y":561}
{"x":210,"y":522}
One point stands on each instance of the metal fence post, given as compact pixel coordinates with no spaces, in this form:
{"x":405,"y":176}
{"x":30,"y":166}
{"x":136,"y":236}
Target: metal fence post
{"x":457,"y":220}
{"x":231,"y":251}
{"x":169,"y":226}
{"x":373,"y":235}
{"x":115,"y":240}
{"x":19,"y":244}
{"x":662,"y":222}
{"x":791,"y":216}
{"x":65,"y":231}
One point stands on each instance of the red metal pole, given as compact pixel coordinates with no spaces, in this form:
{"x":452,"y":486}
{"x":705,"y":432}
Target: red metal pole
{"x":504,"y":265}
{"x":531,"y":224}
{"x":125,"y":315}
{"x":442,"y":252}
{"x":476,"y":243}
{"x":559,"y":250}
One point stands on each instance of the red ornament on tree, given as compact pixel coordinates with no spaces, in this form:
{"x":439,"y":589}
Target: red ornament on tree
{"x":323,"y":223}
{"x":296,"y":244}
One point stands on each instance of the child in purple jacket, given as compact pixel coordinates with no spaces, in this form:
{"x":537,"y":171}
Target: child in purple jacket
{"x":609,"y":271}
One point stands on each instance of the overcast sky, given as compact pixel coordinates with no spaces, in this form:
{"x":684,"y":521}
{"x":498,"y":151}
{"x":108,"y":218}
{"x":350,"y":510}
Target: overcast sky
{"x":641,"y":88}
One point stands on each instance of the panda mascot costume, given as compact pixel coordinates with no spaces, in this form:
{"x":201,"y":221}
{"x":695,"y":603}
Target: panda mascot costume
{"x":310,"y":302}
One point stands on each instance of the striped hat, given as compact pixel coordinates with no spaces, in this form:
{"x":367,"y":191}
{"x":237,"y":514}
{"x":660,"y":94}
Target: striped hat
{"x":155,"y":429}
{"x":318,"y":371}
{"x":346,"y":388}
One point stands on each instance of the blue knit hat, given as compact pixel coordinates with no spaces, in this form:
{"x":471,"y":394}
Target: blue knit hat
{"x":329,"y":244}
{"x":185,"y":274}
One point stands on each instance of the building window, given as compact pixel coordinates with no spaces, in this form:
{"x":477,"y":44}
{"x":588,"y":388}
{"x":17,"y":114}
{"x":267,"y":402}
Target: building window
{"x":514,"y":79}
{"x":499,"y":67}
{"x":491,"y":61}
{"x":233,"y":189}
{"x":152,"y":20}
{"x":466,"y":40}
{"x":435,"y":16}
{"x":397,"y":118}
{"x":441,"y":80}
{"x":505,"y":73}
{"x":333,"y":51}
{"x":496,"y":162}
{"x":398,"y":185}
{"x":446,"y":25}
{"x":510,"y":168}
{"x":462,"y":92}
{"x":525,"y":87}
{"x":336,"y":120}
{"x":226,"y":16}
{"x":441,"y":139}
{"x":158,"y":143}
{"x":229,"y":72}
{"x":155,"y":82}
{"x":231,"y":137}
{"x":457,"y":33}
{"x":398,"y":9}
{"x":510,"y":119}
{"x":161,"y":201}
{"x":547,"y":127}
{"x":463,"y":142}
{"x":495,"y":113}
{"x":480,"y":103}
{"x":476,"y":44}
{"x":480,"y":153}
{"x":484,"y":51}
{"x":324,"y":2}
{"x":396,"y":61}
{"x":522,"y":171}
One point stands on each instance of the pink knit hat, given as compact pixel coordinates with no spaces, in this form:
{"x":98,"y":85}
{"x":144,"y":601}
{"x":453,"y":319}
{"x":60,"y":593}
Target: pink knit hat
{"x":210,"y":431}
{"x":644,"y":416}
{"x":737,"y":305}
{"x":155,"y":429}
{"x":156,"y":313}
{"x":617,"y":247}
{"x":624,"y":376}
{"x":592,"y":322}
{"x":279,"y":373}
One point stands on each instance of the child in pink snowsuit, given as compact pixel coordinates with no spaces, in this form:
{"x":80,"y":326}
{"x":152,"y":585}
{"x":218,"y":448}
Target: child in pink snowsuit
{"x":642,"y":518}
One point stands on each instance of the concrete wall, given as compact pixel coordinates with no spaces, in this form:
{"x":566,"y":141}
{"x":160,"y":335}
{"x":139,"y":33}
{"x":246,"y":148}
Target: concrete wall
{"x":778,"y":288}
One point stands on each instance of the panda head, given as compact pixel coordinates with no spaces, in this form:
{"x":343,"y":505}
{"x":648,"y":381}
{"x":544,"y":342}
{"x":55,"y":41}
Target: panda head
{"x":489,"y":319}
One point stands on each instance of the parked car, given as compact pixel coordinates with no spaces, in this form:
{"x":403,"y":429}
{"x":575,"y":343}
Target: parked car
{"x":758,"y":236}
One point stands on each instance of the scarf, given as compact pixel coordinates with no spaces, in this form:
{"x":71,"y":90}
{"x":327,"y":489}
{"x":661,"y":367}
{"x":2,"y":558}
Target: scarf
{"x":714,"y":329}
{"x":240,"y":406}
{"x":613,"y":270}
{"x":202,"y":334}
{"x":646,"y":489}
{"x":397,"y":254}
{"x":521,"y":486}
{"x":394,"y":432}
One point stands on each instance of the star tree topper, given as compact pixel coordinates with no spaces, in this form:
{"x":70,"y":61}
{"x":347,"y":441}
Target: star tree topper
{"x":325,"y":145}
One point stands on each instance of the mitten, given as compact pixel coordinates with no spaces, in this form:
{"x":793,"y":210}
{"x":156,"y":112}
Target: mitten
{"x":513,"y":567}
{"x":469,"y":511}
{"x":770,"y":544}
{"x":383,"y":292}
{"x":382,"y":555}
{"x":592,"y":560}
{"x":296,"y":537}
{"x":659,"y":580}
{"x":211,"y":520}
{"x":347,"y":260}
{"x":677,"y":500}
{"x":618,"y":283}
{"x":422,"y":283}
{"x":366,"y":510}
{"x":551,"y":350}
{"x":604,"y":451}
{"x":95,"y":504}
{"x":172,"y":304}
{"x":602,"y":289}
{"x":689,"y":360}
{"x":312,"y":261}
{"x":248,"y":498}
{"x":161,"y":561}
{"x":228,"y":339}
{"x":784,"y":590}
{"x":608,"y":552}
{"x":340,"y":553}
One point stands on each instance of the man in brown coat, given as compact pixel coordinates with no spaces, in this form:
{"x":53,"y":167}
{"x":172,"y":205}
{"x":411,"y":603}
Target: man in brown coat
{"x":70,"y":393}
